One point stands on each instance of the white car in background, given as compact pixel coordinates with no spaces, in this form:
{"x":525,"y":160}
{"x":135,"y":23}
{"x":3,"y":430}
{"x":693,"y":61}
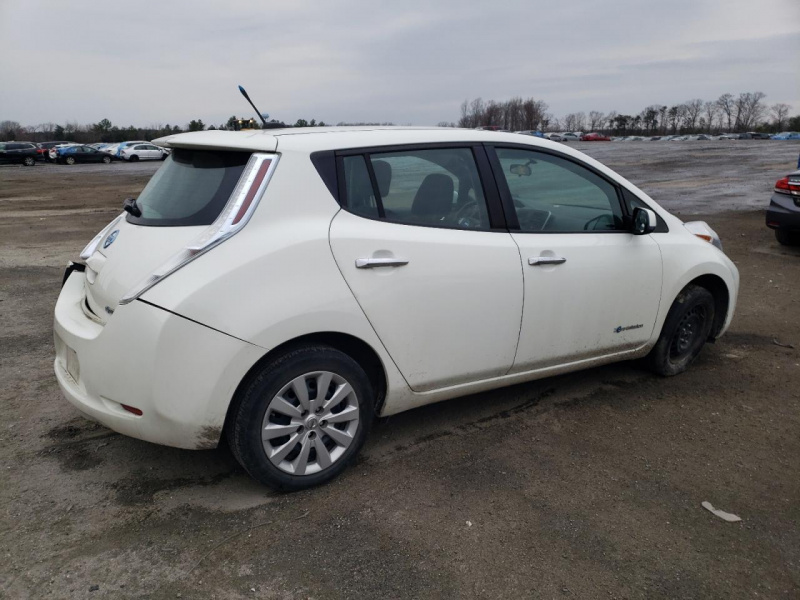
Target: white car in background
{"x":571,"y":137}
{"x":287,"y":286}
{"x":146,"y":151}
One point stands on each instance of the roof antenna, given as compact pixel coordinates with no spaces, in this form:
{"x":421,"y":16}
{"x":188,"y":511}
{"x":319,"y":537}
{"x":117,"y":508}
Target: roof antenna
{"x":260,"y":116}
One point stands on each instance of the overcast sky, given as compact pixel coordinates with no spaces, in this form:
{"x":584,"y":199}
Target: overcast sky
{"x":169,"y":61}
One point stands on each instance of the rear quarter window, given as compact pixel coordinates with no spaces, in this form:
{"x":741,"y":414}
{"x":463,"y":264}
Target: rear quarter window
{"x":191,"y":188}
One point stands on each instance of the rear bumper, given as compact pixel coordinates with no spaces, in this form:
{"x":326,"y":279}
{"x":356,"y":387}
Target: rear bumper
{"x":783,"y":213}
{"x":179,"y":374}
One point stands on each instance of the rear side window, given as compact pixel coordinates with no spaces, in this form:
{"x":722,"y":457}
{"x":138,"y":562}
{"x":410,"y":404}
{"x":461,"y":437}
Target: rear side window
{"x":191,"y":188}
{"x":437,"y":187}
{"x":360,"y":197}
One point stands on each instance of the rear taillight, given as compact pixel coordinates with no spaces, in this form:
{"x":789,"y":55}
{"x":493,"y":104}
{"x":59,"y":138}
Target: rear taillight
{"x":788,"y":186}
{"x":232,"y":219}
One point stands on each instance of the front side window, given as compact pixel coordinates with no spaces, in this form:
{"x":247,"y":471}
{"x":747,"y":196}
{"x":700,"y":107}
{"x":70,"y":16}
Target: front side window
{"x":191,"y":188}
{"x":553,"y":194}
{"x":437,"y":187}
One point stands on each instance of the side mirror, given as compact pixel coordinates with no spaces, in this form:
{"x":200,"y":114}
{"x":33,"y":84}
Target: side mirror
{"x":644,"y":221}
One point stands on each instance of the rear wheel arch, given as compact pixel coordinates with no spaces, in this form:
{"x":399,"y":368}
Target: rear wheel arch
{"x":354,"y":347}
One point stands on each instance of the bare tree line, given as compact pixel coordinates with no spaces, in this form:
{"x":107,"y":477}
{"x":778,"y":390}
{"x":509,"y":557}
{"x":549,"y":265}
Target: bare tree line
{"x":746,"y":112}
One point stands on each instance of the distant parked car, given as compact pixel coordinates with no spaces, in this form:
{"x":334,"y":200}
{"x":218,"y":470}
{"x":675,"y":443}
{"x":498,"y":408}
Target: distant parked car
{"x":783,"y":214}
{"x":655,"y":138}
{"x":554,"y":137}
{"x":695,"y":138}
{"x":595,"y":137}
{"x":758,"y":136}
{"x":143,"y":152}
{"x":571,"y":137}
{"x":535,"y":133}
{"x":69,"y":155}
{"x":122,"y":145}
{"x":786,"y":135}
{"x":23,"y":153}
{"x":44,"y":149}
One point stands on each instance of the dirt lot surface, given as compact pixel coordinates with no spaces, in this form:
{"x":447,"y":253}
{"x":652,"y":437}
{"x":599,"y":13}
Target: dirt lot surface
{"x":581,"y":486}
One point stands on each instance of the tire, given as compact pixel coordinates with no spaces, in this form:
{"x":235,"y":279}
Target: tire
{"x":164,"y":156}
{"x":29,"y":161}
{"x":134,"y":157}
{"x":787,"y":238}
{"x":267,"y":400}
{"x":70,"y":160}
{"x":686,"y":329}
{"x":107,"y":160}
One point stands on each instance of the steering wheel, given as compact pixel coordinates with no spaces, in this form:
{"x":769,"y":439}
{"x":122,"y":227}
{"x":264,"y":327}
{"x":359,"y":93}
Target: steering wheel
{"x":605,"y":220}
{"x":468,"y":213}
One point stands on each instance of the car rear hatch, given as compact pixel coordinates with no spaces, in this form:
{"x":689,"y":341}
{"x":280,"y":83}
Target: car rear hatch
{"x":172,"y":221}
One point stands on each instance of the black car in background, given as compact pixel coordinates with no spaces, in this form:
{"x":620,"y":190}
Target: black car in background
{"x":23,"y":153}
{"x":69,"y":155}
{"x":44,"y":149}
{"x":783,"y":214}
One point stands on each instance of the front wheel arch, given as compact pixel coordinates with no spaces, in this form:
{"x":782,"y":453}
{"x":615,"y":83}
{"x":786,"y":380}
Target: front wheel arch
{"x":716,"y":286}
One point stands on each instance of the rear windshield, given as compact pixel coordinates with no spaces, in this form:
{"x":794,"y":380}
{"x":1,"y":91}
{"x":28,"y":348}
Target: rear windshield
{"x":191,"y":188}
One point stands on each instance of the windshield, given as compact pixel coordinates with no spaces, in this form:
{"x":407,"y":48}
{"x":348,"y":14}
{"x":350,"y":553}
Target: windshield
{"x":191,"y":188}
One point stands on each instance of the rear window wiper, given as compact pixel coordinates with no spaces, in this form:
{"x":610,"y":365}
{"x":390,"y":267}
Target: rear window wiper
{"x":130,"y":206}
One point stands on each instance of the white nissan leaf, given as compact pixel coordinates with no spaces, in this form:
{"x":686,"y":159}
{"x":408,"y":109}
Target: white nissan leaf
{"x":281,"y":288}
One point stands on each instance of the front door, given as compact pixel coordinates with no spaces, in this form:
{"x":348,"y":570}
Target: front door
{"x":591,"y":288}
{"x":440,"y":286}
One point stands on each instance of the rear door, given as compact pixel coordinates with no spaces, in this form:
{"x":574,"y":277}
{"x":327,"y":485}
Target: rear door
{"x":591,"y":288}
{"x":438,"y":278}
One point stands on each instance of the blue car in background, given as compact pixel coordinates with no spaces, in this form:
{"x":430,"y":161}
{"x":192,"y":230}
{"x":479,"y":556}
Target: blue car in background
{"x":537,"y":133}
{"x":78,"y":153}
{"x":786,"y":135}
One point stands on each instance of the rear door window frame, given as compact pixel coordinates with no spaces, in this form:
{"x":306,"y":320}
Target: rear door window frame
{"x":497,"y":221}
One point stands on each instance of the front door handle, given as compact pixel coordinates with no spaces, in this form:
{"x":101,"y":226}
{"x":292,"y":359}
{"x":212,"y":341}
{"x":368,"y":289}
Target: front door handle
{"x":546,"y":260}
{"x":371,"y":263}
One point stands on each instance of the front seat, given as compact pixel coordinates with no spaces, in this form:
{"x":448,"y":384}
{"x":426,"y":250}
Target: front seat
{"x":434,"y":199}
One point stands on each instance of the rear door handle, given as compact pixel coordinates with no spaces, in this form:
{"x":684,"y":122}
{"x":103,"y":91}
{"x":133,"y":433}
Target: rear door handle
{"x":371,"y":263}
{"x":546,"y":260}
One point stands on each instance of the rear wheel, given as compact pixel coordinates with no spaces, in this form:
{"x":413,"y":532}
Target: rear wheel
{"x":686,"y":329}
{"x":29,"y":161}
{"x":70,"y":160}
{"x":787,"y":238}
{"x":134,"y":158}
{"x":301,"y":418}
{"x":107,"y":160}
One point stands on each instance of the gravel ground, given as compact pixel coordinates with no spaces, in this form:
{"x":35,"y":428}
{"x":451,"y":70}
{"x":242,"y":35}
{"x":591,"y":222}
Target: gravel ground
{"x":582,"y":486}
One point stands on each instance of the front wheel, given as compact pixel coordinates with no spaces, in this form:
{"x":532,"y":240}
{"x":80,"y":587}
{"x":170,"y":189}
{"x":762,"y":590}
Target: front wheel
{"x":787,"y":238}
{"x":686,"y":329}
{"x":29,"y":161}
{"x":301,"y":418}
{"x":134,"y":158}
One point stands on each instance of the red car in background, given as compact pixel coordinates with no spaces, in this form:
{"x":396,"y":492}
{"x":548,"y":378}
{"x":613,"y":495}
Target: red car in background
{"x":595,"y":137}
